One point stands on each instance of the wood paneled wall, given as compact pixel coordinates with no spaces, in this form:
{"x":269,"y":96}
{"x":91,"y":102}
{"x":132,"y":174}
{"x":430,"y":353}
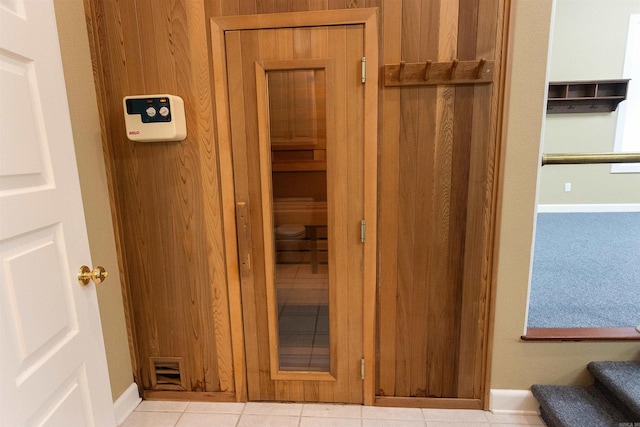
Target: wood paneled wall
{"x":165,"y":195}
{"x":436,"y":187}
{"x":436,"y":178}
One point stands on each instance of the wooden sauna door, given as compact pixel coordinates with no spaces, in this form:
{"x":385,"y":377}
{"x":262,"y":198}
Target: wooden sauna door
{"x":296,"y":103}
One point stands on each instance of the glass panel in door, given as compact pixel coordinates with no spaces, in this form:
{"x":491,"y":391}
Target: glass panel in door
{"x":297,"y":135}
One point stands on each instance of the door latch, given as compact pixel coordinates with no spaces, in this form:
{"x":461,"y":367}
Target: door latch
{"x":98,"y":275}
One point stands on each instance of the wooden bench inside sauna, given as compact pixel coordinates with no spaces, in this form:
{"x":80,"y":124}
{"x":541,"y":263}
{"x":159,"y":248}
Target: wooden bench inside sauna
{"x":300,"y":231}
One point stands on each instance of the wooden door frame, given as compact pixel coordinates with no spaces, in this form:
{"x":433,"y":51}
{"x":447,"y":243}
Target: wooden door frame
{"x":367,"y":17}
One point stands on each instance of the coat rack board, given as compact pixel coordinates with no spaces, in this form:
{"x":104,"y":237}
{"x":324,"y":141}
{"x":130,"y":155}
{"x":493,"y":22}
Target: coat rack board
{"x":437,"y":73}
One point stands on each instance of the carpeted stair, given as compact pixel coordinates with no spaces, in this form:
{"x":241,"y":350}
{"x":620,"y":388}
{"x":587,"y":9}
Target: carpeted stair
{"x":613,"y":400}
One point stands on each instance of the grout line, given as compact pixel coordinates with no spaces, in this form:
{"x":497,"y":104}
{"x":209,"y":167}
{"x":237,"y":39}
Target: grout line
{"x":244,"y":406}
{"x":180,"y":417}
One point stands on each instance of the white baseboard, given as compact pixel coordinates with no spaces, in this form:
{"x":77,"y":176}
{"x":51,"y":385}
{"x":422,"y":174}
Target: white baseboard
{"x":612,"y":207}
{"x":126,"y":403}
{"x":513,"y":402}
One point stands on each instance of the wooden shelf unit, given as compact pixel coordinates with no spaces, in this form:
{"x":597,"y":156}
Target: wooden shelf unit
{"x":593,"y":96}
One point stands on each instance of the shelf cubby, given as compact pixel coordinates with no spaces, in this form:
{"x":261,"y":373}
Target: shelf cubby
{"x":593,"y":96}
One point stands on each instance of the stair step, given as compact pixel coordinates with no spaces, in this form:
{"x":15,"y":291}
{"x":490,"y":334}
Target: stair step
{"x":622,"y":380}
{"x":576,"y":406}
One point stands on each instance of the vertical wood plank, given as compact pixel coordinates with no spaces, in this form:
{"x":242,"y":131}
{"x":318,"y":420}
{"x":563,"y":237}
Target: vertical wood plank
{"x":230,"y":7}
{"x":338,"y":4}
{"x":337,"y":170}
{"x":319,"y":43}
{"x":355,"y":207}
{"x":141,"y":317}
{"x":371,"y":52}
{"x":246,"y":7}
{"x":311,"y":391}
{"x":476,"y":277}
{"x":409,"y":122}
{"x":497,"y":102}
{"x":297,"y":390}
{"x":426,"y":144}
{"x":315,"y":392}
{"x":212,"y":8}
{"x":200,"y":321}
{"x":218,"y":296}
{"x":467,"y":36}
{"x":475,"y":283}
{"x":446,"y":109}
{"x":299,"y":6}
{"x":137,"y":159}
{"x":236,"y":83}
{"x":318,"y":4}
{"x":265,"y":6}
{"x":169,"y":22}
{"x":301,"y":43}
{"x":442,"y":291}
{"x":388,"y":212}
{"x":282,"y":391}
{"x":284,"y":40}
{"x":250,"y":53}
{"x":227,"y":199}
{"x":267,"y":228}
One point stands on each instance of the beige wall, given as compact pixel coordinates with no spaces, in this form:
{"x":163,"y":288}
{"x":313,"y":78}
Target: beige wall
{"x":76,"y":60}
{"x":517,"y":364}
{"x":589,"y":42}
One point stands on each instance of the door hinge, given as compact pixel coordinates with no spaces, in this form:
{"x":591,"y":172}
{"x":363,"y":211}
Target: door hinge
{"x":362,"y":368}
{"x":363,"y":231}
{"x":364,"y":69}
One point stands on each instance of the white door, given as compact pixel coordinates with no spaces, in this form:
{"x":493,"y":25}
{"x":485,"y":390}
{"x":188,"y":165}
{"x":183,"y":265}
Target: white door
{"x":53,"y":369}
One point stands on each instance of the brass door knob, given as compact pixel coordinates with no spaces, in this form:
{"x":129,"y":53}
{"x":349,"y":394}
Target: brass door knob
{"x":98,"y":275}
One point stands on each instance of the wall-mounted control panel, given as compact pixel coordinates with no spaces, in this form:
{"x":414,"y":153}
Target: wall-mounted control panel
{"x":154,"y":118}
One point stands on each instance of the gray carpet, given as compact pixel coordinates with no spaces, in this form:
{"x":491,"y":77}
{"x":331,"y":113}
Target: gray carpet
{"x":614,"y":399}
{"x":586,"y":271}
{"x":576,"y":406}
{"x":623,"y":379}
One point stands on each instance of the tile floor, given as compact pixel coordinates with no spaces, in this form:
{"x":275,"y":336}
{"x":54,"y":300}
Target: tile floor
{"x":303,"y":320}
{"x":257,"y":414}
{"x":303,"y":317}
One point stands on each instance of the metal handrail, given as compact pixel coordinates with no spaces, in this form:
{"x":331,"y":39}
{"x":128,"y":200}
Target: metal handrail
{"x":588,"y":158}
